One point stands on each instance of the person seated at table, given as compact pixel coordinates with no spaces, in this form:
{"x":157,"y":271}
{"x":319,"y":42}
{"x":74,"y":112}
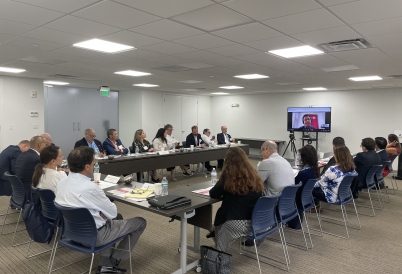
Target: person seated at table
{"x":46,"y":175}
{"x":207,"y":138}
{"x":393,"y":147}
{"x":336,"y":142}
{"x":326,"y":189}
{"x":306,"y":123}
{"x":113,"y":145}
{"x":171,"y":141}
{"x":144,"y":146}
{"x":160,"y":144}
{"x":195,"y":139}
{"x":78,"y":191}
{"x":239,"y":187}
{"x":90,"y":141}
{"x":365,"y":160}
{"x":224,"y":138}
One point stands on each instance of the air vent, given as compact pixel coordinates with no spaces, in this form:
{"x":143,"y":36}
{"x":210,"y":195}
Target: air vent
{"x":345,"y":45}
{"x":394,"y":77}
{"x":173,"y":68}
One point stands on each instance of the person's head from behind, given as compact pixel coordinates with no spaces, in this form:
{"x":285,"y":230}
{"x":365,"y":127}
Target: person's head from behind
{"x":368,"y":144}
{"x":24,"y":145}
{"x":393,"y":139}
{"x":206,"y":132}
{"x":90,"y":135}
{"x":161,"y":134}
{"x":112,"y":134}
{"x":48,"y":138}
{"x":380,"y":143}
{"x":82,"y":160}
{"x":194,"y":130}
{"x":50,"y":157}
{"x":337,"y":142}
{"x":139,"y":134}
{"x":224,"y":129}
{"x":169,"y":129}
{"x":239,"y":175}
{"x":267,"y":148}
{"x":308,"y":155}
{"x":306,"y":120}
{"x":38,"y":143}
{"x":344,"y":159}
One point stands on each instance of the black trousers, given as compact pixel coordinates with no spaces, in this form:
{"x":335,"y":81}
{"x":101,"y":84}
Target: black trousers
{"x":318,"y":195}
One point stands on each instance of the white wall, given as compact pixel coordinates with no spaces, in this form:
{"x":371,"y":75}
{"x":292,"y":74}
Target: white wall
{"x":130,"y":115}
{"x":204,"y":113}
{"x":15,"y":107}
{"x":152,"y":112}
{"x":355,"y":115}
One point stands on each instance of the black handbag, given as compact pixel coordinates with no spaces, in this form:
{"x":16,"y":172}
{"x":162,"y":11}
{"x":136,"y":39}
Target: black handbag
{"x":169,"y":201}
{"x":214,"y":261}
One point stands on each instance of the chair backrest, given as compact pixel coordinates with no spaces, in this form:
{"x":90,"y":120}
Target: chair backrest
{"x":264,"y":214}
{"x":370,"y":175}
{"x":392,"y":160}
{"x":49,"y":210}
{"x":18,"y":195}
{"x":78,"y":225}
{"x":344,"y":192}
{"x":307,"y":192}
{"x":287,"y":202}
{"x":378,"y":174}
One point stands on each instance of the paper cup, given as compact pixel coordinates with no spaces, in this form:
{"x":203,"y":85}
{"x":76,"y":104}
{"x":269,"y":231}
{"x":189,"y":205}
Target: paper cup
{"x":321,"y":155}
{"x":238,"y":142}
{"x":158,"y":189}
{"x":191,"y":147}
{"x":97,"y":177}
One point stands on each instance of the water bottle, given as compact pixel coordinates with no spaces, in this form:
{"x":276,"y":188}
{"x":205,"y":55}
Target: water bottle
{"x":213,"y":177}
{"x":137,"y":151}
{"x":96,"y":167}
{"x":165,"y":187}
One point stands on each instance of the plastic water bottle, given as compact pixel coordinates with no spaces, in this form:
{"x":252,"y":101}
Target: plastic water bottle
{"x":137,"y":151}
{"x":213,"y":177}
{"x":96,"y":167}
{"x":165,"y":186}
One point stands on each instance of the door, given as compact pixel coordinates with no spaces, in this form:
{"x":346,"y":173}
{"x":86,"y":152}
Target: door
{"x":110,"y":115}
{"x":189,"y":115}
{"x":89,"y":112}
{"x":172,"y":114}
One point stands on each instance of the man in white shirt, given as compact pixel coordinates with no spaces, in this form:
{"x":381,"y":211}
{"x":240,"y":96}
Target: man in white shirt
{"x":274,"y":170}
{"x":207,"y":138}
{"x":171,"y":141}
{"x":77,"y":190}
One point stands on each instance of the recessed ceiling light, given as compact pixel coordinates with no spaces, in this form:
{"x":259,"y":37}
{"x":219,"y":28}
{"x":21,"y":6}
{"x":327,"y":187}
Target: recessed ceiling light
{"x":365,"y":78}
{"x":231,"y":87}
{"x":55,"y":83}
{"x":132,"y":73}
{"x":190,"y":89}
{"x":219,"y":93}
{"x":11,"y":70}
{"x":191,"y":82}
{"x":145,"y":85}
{"x":314,"y":89}
{"x":251,"y":76}
{"x":296,"y":52}
{"x":340,"y":68}
{"x":103,"y":46}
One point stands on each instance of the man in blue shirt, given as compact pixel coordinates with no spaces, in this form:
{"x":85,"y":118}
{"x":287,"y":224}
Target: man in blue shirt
{"x":90,"y":141}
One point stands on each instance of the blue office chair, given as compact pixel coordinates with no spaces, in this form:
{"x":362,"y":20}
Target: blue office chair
{"x":370,"y":184}
{"x":307,"y":203}
{"x":17,"y":200}
{"x":344,"y":197}
{"x":264,"y":223}
{"x":78,"y":232}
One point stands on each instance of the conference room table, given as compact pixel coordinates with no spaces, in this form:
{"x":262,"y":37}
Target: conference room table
{"x":145,"y":162}
{"x":198,"y":214}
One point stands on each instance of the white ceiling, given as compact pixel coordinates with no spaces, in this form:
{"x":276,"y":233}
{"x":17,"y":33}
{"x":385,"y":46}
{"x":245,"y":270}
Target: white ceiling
{"x":213,"y":40}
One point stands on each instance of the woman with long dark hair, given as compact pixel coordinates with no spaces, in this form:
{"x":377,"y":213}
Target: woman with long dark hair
{"x":144,"y":146}
{"x":240,"y":187}
{"x":46,"y":175}
{"x":393,"y":147}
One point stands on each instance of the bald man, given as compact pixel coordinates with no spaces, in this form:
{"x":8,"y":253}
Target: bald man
{"x":48,"y":138}
{"x":90,"y":141}
{"x":274,"y":170}
{"x":26,"y":162}
{"x":8,"y":157}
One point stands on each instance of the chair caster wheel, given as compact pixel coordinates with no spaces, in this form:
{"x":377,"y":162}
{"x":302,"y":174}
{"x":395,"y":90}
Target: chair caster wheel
{"x":198,"y":269}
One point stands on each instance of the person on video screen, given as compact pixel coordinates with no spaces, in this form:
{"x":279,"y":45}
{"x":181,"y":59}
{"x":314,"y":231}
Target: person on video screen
{"x":307,"y":123}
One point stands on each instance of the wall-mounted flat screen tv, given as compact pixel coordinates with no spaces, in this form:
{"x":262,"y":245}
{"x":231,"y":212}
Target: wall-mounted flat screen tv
{"x":312,"y":119}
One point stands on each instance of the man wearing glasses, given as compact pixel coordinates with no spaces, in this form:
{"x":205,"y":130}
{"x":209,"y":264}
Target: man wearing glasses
{"x":171,"y":141}
{"x":90,"y":141}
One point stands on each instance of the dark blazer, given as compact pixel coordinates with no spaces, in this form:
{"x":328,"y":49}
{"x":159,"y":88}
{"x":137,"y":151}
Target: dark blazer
{"x":8,"y":157}
{"x":84,"y":143}
{"x":364,"y":161}
{"x":25,"y":167}
{"x":221,"y":138}
{"x":383,"y":155}
{"x":191,"y":141}
{"x":109,"y":147}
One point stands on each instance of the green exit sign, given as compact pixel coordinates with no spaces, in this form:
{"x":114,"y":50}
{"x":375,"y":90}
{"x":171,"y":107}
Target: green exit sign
{"x":105,"y":92}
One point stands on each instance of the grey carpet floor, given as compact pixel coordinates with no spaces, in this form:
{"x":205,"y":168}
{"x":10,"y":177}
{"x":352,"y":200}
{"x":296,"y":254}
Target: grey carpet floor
{"x":376,"y":248}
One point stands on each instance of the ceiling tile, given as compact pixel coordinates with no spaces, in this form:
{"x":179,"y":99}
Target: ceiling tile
{"x":320,"y":61}
{"x":43,"y":60}
{"x":12,"y":52}
{"x":263,"y":9}
{"x":166,"y":8}
{"x":16,"y":28}
{"x":368,"y":10}
{"x":199,"y":55}
{"x":248,"y":33}
{"x":60,"y":5}
{"x":167,"y":30}
{"x":75,"y":25}
{"x":380,"y":27}
{"x":27,"y":14}
{"x":212,"y":18}
{"x":4,"y":37}
{"x":131,"y":38}
{"x":304,"y":22}
{"x":204,"y":41}
{"x":171,"y":60}
{"x":335,"y":2}
{"x":35,"y":44}
{"x":55,"y":36}
{"x":275,"y":43}
{"x":390,"y":45}
{"x":234,"y":50}
{"x":196,"y":65}
{"x":169,"y":48}
{"x":327,"y":35}
{"x":142,"y":54}
{"x":122,"y":16}
{"x":55,"y":55}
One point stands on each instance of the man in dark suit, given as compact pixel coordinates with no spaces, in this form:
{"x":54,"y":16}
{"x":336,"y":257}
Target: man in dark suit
{"x":48,"y":138}
{"x":365,"y":160}
{"x":195,"y":139}
{"x":27,"y":161}
{"x":8,"y":157}
{"x":380,"y":145}
{"x":336,"y":142}
{"x":223,"y":138}
{"x":112,"y":145}
{"x":90,"y":141}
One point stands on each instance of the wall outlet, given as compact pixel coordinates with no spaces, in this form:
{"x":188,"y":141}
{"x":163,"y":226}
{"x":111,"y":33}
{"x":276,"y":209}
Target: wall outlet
{"x":34,"y":94}
{"x":35,"y":126}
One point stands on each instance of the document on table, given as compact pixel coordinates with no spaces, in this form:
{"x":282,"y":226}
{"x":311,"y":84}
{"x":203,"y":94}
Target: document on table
{"x":103,"y":184}
{"x":121,"y":192}
{"x":112,"y":179}
{"x":204,"y":191}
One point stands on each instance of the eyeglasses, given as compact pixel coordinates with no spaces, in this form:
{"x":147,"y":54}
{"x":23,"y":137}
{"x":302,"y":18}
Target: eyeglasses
{"x":139,"y":190}
{"x":92,"y":136}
